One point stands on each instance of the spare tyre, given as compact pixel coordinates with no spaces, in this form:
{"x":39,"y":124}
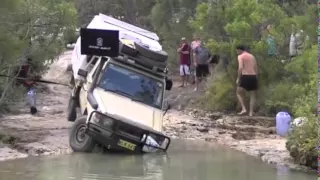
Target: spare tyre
{"x":155,"y":55}
{"x":150,"y":63}
{"x":125,"y":49}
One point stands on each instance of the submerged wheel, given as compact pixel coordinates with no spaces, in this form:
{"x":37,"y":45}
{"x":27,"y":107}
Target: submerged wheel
{"x":72,"y":109}
{"x":78,"y":139}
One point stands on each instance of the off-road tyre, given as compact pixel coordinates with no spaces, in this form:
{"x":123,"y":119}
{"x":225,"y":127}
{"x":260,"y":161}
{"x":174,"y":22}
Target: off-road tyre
{"x":150,"y":63}
{"x":72,"y":109}
{"x":130,"y":51}
{"x":79,"y":141}
{"x":160,"y":56}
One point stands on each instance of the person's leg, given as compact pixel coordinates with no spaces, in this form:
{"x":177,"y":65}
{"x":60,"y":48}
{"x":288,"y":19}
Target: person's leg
{"x":240,"y":92}
{"x":253,"y":91}
{"x":182,"y":74}
{"x":187,"y":74}
{"x":206,"y":72}
{"x":197,"y":77}
{"x":252,"y":102}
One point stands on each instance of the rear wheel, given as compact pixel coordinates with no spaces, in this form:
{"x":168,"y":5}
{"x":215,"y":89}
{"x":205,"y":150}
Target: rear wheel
{"x":78,"y":139}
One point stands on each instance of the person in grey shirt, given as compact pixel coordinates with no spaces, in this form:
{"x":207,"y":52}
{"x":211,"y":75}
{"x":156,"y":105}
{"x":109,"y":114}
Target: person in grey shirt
{"x":201,"y":57}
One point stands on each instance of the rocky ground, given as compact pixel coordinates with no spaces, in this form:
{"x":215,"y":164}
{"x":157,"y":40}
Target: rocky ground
{"x":47,"y":132}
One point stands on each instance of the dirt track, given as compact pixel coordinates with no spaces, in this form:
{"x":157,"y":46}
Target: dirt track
{"x":47,"y":132}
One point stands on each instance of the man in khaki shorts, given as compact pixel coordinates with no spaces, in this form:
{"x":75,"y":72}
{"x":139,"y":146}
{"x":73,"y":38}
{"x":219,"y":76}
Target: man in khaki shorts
{"x":194,"y":44}
{"x":247,"y":78}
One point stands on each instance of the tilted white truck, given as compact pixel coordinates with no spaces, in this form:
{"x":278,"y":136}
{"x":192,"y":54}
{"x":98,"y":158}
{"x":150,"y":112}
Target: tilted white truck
{"x":121,"y":98}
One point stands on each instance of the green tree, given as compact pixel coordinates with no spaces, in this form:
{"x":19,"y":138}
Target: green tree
{"x":285,"y":84}
{"x":31,"y":29}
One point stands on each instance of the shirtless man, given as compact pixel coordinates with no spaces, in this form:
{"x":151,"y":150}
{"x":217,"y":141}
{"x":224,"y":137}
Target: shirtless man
{"x":247,"y":78}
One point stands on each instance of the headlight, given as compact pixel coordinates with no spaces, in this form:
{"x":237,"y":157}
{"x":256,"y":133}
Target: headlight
{"x":96,"y":118}
{"x":106,"y":122}
{"x":102,"y":120}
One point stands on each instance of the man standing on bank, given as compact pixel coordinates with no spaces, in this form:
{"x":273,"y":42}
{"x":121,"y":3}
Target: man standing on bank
{"x":247,"y":78}
{"x":201,"y":58}
{"x":184,"y":51}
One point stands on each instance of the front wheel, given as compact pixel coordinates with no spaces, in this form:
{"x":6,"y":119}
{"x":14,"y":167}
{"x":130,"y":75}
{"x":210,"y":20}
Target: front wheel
{"x":78,"y":139}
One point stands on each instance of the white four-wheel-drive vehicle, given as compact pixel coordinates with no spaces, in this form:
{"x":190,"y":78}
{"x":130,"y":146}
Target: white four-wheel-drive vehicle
{"x":120,"y":98}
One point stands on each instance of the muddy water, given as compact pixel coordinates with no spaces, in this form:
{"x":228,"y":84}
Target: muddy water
{"x":186,"y":160}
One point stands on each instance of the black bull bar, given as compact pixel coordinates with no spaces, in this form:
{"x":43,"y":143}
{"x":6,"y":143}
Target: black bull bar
{"x":116,"y":138}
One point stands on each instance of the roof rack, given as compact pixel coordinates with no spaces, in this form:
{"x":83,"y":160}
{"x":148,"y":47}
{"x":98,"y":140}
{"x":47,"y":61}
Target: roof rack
{"x":128,"y":60}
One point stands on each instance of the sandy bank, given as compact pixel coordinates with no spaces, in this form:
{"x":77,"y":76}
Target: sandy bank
{"x":47,"y":132}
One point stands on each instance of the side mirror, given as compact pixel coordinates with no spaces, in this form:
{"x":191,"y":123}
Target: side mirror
{"x":169,"y":84}
{"x":92,"y":101}
{"x":83,"y":73}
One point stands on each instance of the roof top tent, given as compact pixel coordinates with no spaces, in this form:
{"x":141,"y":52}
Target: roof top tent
{"x":126,"y":31}
{"x":129,"y":27}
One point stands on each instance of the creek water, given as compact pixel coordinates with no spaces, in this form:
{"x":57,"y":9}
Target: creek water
{"x":186,"y":160}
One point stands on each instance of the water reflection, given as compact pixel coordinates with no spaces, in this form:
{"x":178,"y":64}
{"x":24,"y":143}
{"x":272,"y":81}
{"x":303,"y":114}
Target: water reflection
{"x":185,"y":161}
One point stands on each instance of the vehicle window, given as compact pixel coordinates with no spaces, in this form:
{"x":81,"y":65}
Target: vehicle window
{"x":133,"y":85}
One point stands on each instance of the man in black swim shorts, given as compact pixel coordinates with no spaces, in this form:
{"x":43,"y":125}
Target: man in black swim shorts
{"x":247,"y":78}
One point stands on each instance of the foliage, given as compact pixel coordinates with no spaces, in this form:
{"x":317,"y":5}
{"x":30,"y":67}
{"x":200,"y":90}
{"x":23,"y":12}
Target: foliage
{"x":285,"y":84}
{"x":31,"y":29}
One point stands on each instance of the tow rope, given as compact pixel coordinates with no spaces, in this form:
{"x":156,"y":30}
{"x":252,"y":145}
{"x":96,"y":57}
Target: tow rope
{"x":35,"y":80}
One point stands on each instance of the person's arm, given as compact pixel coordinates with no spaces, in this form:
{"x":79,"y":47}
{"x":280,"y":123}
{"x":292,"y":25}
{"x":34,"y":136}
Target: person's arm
{"x":195,"y":60}
{"x":240,"y":67}
{"x":179,"y":49}
{"x":185,"y":52}
{"x":184,"y":49}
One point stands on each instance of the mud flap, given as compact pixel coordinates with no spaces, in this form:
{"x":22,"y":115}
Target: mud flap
{"x":72,"y":110}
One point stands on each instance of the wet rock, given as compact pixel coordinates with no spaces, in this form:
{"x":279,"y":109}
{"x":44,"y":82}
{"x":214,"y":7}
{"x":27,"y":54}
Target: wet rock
{"x":203,"y":130}
{"x":214,"y":116}
{"x":184,"y":128}
{"x":222,"y":132}
{"x":263,"y":152}
{"x":220,"y":122}
{"x":210,"y":139}
{"x":45,"y":108}
{"x":242,"y":135}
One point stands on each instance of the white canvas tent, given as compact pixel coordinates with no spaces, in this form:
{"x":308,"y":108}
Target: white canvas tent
{"x":126,"y":31}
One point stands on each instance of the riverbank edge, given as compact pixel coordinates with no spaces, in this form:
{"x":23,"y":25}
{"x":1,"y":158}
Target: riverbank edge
{"x":271,"y":155}
{"x":275,"y":153}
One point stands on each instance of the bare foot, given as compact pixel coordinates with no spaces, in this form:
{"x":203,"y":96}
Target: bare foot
{"x":242,"y":112}
{"x":181,"y":86}
{"x":250,"y":114}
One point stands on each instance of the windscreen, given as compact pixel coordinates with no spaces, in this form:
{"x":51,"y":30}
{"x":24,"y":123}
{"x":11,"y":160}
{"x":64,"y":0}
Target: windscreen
{"x":132,"y":84}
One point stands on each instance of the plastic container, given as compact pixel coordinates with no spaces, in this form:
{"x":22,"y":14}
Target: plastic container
{"x":283,"y":120}
{"x":31,"y":98}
